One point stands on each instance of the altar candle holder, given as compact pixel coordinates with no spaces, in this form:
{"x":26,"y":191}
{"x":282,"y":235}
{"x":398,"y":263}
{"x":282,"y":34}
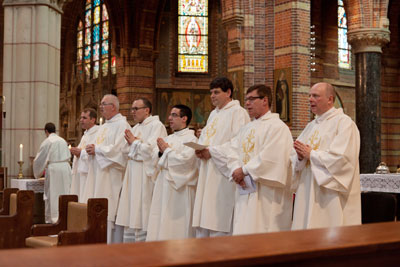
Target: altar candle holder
{"x":20,"y":175}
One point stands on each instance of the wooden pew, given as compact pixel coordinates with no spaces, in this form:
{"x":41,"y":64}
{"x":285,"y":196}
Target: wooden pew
{"x":6,"y":200}
{"x":367,"y":245}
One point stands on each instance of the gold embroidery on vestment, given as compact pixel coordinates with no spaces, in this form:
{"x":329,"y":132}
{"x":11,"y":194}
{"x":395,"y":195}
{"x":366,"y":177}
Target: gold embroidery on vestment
{"x":248,"y":146}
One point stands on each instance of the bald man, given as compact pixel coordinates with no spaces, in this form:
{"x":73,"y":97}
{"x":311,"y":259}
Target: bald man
{"x":326,"y":169}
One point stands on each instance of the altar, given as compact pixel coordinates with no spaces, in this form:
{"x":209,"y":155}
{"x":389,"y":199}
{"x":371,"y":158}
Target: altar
{"x":387,"y":183}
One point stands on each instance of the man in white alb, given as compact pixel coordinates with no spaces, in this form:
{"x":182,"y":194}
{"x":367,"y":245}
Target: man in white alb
{"x":215,"y":194}
{"x":326,"y":167}
{"x":79,"y":171}
{"x":173,"y":197}
{"x":259,"y":160}
{"x":137,"y":189}
{"x":107,"y":165}
{"x":53,"y":160}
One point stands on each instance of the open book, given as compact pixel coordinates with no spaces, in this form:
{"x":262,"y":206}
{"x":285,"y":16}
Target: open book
{"x":195,"y":146}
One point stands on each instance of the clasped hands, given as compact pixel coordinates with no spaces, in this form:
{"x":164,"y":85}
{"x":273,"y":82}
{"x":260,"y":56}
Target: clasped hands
{"x":76,"y":151}
{"x":162,"y":145}
{"x":303,"y":150}
{"x":203,"y":154}
{"x":129,"y":137}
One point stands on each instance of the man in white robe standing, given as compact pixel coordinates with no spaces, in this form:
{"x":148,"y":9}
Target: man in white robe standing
{"x":215,"y":195}
{"x":259,"y":160}
{"x":171,"y":209}
{"x":137,"y":189}
{"x":79,"y":171}
{"x":326,"y":166}
{"x":53,"y":160}
{"x":107,"y":167}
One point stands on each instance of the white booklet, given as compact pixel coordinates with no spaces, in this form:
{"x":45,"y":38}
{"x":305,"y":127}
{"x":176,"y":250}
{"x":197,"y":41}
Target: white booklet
{"x":195,"y":146}
{"x":250,"y":186}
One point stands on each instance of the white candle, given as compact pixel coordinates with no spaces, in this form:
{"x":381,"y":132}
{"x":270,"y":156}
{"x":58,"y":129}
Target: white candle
{"x":69,"y":146}
{"x":21,"y":147}
{"x":101,"y":121}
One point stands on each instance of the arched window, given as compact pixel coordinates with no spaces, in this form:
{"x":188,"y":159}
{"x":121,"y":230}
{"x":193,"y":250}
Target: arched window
{"x":344,"y":52}
{"x":93,"y":42}
{"x":193,"y":36}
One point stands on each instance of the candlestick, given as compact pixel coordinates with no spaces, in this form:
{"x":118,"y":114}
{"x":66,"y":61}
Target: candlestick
{"x":21,"y":147}
{"x":20,"y":175}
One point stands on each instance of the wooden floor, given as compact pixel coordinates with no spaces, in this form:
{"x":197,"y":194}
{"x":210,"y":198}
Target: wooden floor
{"x":366,"y":245}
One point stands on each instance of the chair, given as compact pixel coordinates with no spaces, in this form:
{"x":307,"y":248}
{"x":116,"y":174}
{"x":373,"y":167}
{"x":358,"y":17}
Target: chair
{"x":15,"y":226}
{"x":6,"y":200}
{"x":378,"y":207}
{"x":77,"y":224}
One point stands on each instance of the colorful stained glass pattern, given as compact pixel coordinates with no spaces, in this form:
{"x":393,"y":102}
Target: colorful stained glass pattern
{"x":105,"y":67}
{"x":193,"y":8}
{"x":344,"y":54}
{"x":93,"y":55}
{"x":96,"y":33}
{"x":105,"y":13}
{"x":105,"y":30}
{"x":193,"y":36}
{"x":96,"y":17}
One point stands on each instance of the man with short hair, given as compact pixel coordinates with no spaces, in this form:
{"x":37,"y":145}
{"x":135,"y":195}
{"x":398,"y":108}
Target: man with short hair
{"x":175,"y":187}
{"x":215,"y":195}
{"x":137,"y":189}
{"x":107,"y":164}
{"x":259,"y":161}
{"x":327,"y":175}
{"x":79,"y":171}
{"x":53,"y":160}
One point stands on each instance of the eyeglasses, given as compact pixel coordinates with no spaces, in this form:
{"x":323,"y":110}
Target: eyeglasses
{"x":252,"y":98}
{"x":105,"y":104}
{"x":174,"y":115}
{"x":137,"y":108}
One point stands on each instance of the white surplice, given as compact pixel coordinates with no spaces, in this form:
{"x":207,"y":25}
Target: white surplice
{"x":262,"y":148}
{"x":328,"y":186}
{"x":79,"y":171}
{"x":215,"y":195}
{"x":53,"y":159}
{"x":173,"y":197}
{"x":106,"y":168}
{"x":137,"y":189}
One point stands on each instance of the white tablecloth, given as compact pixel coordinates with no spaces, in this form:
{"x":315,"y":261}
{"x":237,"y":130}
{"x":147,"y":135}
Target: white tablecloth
{"x":37,"y":185}
{"x":389,"y":183}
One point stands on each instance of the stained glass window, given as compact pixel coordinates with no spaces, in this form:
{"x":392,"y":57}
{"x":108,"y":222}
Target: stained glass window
{"x":193,"y":36}
{"x":344,"y":52}
{"x":93,"y":45}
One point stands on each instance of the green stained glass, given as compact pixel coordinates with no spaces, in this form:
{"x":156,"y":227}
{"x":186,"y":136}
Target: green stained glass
{"x":104,"y":66}
{"x":96,"y":70}
{"x":96,"y":33}
{"x":105,"y":13}
{"x":96,"y":15}
{"x":88,"y":18}
{"x":96,"y":2}
{"x":193,"y":7}
{"x":104,"y":49}
{"x":105,"y":30}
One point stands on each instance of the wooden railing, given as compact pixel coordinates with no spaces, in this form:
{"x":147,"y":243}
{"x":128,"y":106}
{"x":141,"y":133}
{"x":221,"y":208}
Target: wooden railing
{"x":372,"y":244}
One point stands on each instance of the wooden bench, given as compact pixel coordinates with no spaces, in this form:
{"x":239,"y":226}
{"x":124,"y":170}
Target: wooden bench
{"x":77,"y":224}
{"x":6,"y":200}
{"x":16,"y":225}
{"x":362,"y":245}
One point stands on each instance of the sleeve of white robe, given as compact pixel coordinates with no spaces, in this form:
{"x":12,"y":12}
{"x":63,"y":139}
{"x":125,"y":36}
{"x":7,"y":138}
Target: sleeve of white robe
{"x":335,"y":167}
{"x":297,"y":165}
{"x":181,"y":165}
{"x":41,"y":159}
{"x":225,"y":157}
{"x":111,"y":154}
{"x":271,"y":166}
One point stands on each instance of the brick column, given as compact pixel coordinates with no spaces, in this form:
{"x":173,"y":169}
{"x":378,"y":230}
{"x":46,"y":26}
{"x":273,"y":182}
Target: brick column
{"x":31,"y":77}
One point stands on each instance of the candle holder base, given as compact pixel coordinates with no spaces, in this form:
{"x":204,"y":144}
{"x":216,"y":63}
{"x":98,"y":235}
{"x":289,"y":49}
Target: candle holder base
{"x":20,"y":175}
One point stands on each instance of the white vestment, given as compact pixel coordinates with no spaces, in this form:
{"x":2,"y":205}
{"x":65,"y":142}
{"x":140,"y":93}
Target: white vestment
{"x":328,"y":185}
{"x":106,"y":168}
{"x":173,"y":197}
{"x":137,"y":189}
{"x":215,"y":195}
{"x":262,"y":148}
{"x":79,"y":170}
{"x":53,"y":159}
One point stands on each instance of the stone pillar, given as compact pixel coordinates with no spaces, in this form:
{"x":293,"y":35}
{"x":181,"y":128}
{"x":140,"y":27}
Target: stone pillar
{"x":367,"y":45}
{"x":31,"y":77}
